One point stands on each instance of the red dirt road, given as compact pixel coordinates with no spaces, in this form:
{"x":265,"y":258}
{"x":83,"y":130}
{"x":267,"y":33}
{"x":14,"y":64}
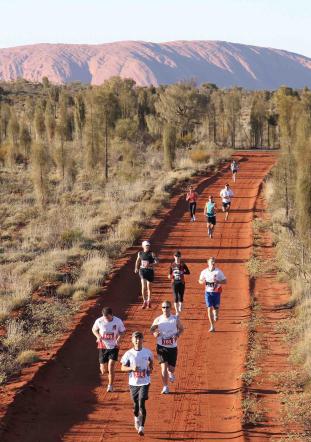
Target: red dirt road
{"x":67,"y":401}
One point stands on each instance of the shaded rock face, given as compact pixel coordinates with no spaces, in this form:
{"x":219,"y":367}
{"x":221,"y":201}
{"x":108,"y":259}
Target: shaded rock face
{"x":223,"y":63}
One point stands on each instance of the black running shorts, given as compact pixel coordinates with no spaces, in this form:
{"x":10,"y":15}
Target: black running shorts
{"x":166,"y":354}
{"x":226,"y":205}
{"x":211,"y":220}
{"x":106,"y":353}
{"x":147,"y":274}
{"x":139,"y":392}
{"x":178,"y":291}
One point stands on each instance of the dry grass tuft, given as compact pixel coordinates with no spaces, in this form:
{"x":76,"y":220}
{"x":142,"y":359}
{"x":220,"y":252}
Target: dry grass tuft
{"x":26,"y":357}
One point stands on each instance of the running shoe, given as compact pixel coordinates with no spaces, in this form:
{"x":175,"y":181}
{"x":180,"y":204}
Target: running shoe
{"x":212,"y":329}
{"x":137,"y":422}
{"x":215,"y":314}
{"x":141,"y":430}
{"x":193,"y":218}
{"x":109,"y":389}
{"x":144,"y":304}
{"x":148,"y":304}
{"x":171,"y":377}
{"x":165,"y":390}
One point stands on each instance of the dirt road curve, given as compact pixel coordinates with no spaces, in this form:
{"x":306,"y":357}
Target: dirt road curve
{"x":67,"y":400}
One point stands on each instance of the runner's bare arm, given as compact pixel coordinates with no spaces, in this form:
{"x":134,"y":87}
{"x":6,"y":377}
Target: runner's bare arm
{"x":121,"y":333}
{"x":127,"y":369}
{"x":201,"y":281}
{"x":180,"y":327}
{"x":137,"y":263}
{"x":95,"y":332}
{"x":150,"y":364}
{"x":155,"y":330}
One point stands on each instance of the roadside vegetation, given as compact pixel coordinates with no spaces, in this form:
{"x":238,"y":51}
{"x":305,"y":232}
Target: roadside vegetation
{"x":288,"y":192}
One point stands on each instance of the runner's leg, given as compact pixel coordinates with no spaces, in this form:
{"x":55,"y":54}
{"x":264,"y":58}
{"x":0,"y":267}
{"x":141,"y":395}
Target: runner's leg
{"x":111,"y":371}
{"x":164,"y":373}
{"x":102,"y":368}
{"x":143,"y":288}
{"x":149,"y":291}
{"x":210,"y":316}
{"x":142,"y":411}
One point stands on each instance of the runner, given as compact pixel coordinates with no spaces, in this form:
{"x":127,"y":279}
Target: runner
{"x":212,"y":277}
{"x":167,"y":328}
{"x":138,"y":363}
{"x":144,"y":265}
{"x":234,"y":166}
{"x":108,"y":330}
{"x":176,"y":274}
{"x":226,"y":194}
{"x":210,"y":213}
{"x":192,"y":197}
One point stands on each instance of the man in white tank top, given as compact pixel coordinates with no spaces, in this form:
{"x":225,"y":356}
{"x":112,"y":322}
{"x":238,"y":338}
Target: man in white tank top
{"x":167,"y":328}
{"x":138,"y":363}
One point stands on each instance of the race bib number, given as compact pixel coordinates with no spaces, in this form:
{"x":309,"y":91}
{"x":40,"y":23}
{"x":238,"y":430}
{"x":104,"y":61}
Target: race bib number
{"x":177,"y":275}
{"x":144,"y":264}
{"x":168,"y":341}
{"x":108,"y":336}
{"x":140,"y":374}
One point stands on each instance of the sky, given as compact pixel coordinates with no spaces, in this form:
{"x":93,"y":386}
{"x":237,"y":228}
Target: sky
{"x":282,"y":24}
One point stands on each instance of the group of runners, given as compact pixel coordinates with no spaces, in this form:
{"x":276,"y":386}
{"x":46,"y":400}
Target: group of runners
{"x":138,"y":361}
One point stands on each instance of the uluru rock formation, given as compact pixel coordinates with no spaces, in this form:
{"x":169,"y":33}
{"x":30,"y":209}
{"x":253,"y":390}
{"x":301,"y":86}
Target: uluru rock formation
{"x":223,"y":63}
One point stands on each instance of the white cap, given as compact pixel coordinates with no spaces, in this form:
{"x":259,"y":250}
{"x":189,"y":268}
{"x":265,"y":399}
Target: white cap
{"x":145,"y":243}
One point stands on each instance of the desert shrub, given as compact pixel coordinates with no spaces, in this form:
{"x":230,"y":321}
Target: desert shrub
{"x":65,"y":290}
{"x":199,"y":156}
{"x":26,"y":357}
{"x":70,"y":237}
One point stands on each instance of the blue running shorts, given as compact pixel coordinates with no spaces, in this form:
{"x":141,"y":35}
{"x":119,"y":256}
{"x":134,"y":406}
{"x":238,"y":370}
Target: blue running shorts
{"x":212,"y":299}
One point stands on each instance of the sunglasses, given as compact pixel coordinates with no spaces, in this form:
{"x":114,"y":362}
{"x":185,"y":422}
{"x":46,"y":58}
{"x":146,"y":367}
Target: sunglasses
{"x":165,"y":306}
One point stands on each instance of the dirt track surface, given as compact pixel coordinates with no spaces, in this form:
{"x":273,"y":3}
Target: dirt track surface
{"x":67,"y":399}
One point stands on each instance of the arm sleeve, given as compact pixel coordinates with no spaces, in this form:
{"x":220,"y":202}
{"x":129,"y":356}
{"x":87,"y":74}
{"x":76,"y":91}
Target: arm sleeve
{"x":187,"y":271}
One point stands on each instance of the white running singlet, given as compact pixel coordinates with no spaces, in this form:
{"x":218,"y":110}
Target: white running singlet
{"x":109,"y":330}
{"x":168,"y":330}
{"x":138,"y":358}
{"x":226,"y":195}
{"x":212,"y":276}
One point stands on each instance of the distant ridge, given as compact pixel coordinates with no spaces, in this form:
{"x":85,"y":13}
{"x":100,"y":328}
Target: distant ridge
{"x":226,"y":64}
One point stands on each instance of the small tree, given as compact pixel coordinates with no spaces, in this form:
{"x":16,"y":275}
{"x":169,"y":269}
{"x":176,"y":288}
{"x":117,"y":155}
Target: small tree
{"x":169,"y":144}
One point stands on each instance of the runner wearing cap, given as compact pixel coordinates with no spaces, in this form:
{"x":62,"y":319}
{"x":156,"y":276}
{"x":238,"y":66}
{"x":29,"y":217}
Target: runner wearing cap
{"x":210,"y":213}
{"x":212,"y":277}
{"x":108,"y":330}
{"x":176,"y":274}
{"x":226,"y":194}
{"x":138,"y":363}
{"x":192,"y":197}
{"x":234,"y":166}
{"x":167,"y":328}
{"x":144,"y":266}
